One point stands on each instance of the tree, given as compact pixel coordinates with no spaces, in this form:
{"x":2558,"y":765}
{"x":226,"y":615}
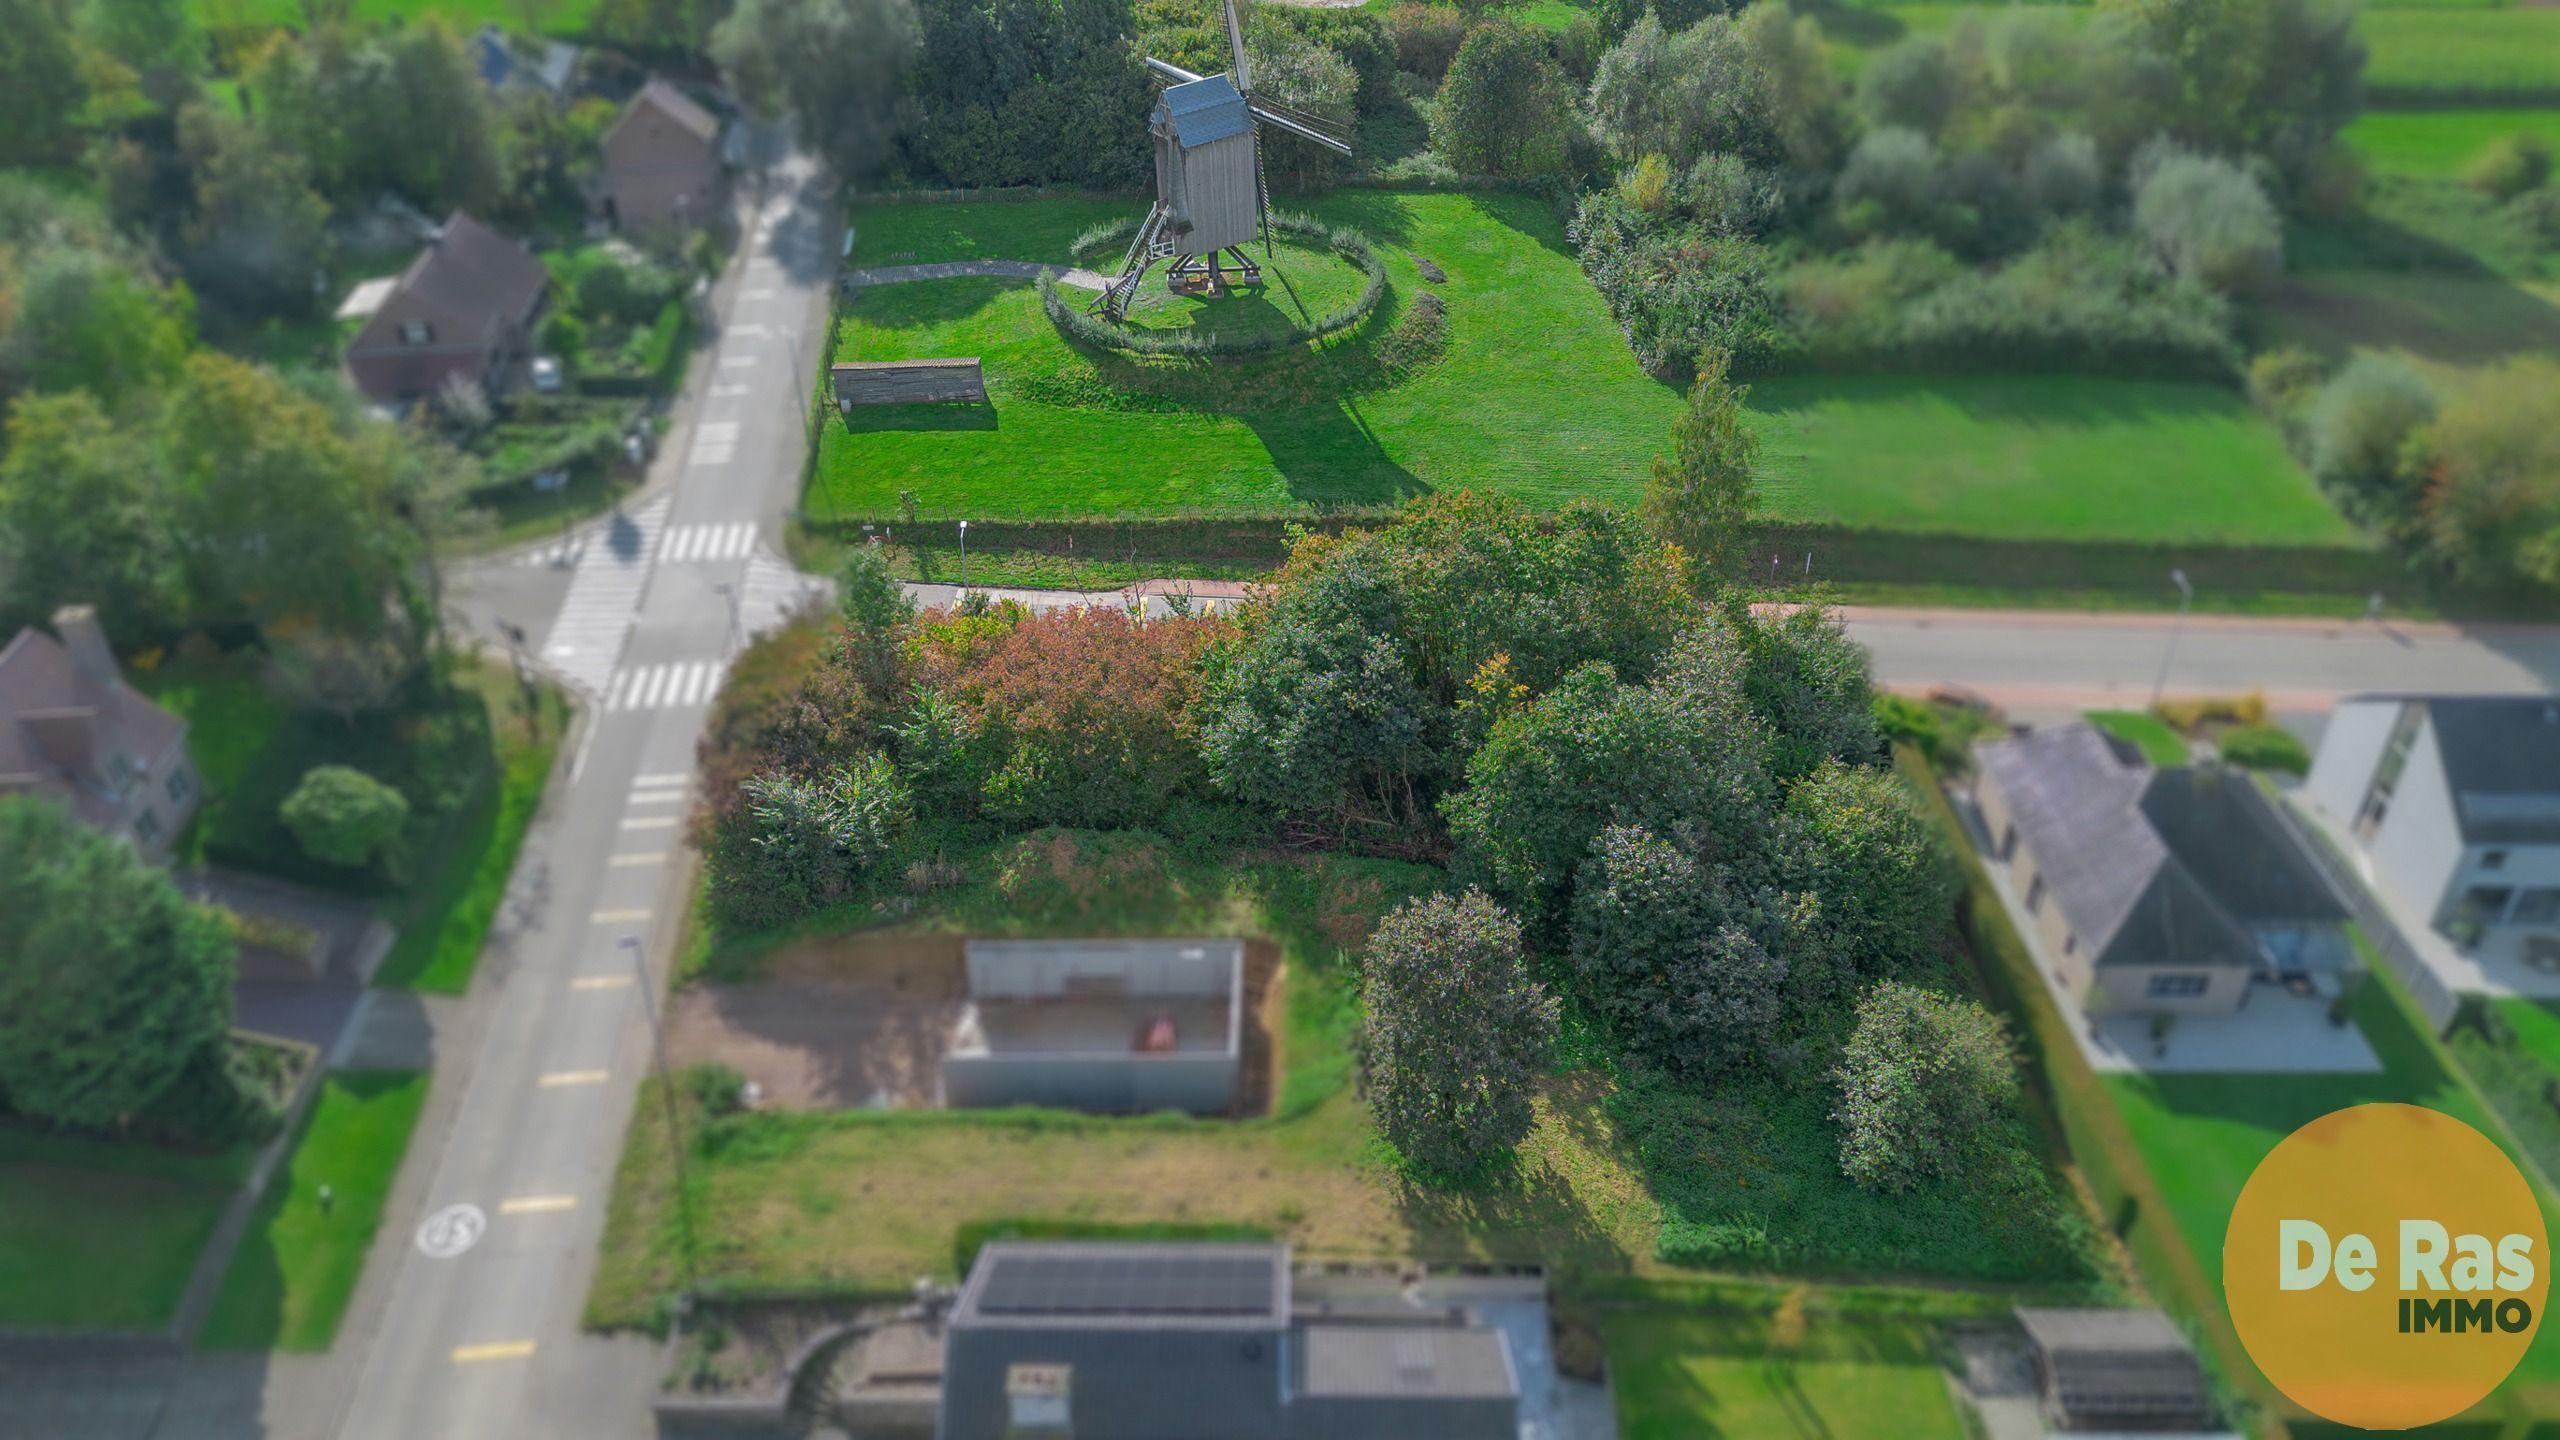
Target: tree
{"x":42,"y":89}
{"x":2509,"y":165}
{"x":2359,"y":431}
{"x":346,"y":675}
{"x":809,"y":843}
{"x":1456,"y":1033}
{"x":111,"y":983}
{"x":837,"y":66}
{"x":1924,"y":1081}
{"x":1856,"y":838}
{"x":455,"y":163}
{"x":1894,"y":182}
{"x":1504,"y":108}
{"x":1682,"y":94}
{"x":85,"y":321}
{"x":2493,"y":504}
{"x":342,"y":816}
{"x":1800,"y":92}
{"x":1808,"y":680}
{"x":79,"y":521}
{"x":877,"y":610}
{"x":256,"y":236}
{"x":1701,"y":498}
{"x":159,"y":39}
{"x":1910,"y":85}
{"x":1660,"y":952}
{"x":2208,"y":221}
{"x":1303,"y":73}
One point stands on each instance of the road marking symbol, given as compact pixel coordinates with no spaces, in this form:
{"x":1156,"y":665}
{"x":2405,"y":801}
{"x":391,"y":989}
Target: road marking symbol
{"x":537,"y":1204}
{"x":451,"y":1231}
{"x":495,"y":1350}
{"x":558,"y":1078}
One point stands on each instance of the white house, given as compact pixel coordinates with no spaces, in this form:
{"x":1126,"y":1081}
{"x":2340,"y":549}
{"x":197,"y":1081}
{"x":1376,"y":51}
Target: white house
{"x":2454,"y":801}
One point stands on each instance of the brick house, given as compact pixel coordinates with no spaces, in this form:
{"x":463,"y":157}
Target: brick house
{"x":662,"y":163}
{"x":73,"y":731}
{"x":465,"y":307}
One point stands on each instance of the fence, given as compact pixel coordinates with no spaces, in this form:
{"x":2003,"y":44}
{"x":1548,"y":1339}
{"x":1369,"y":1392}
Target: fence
{"x":2434,"y":999}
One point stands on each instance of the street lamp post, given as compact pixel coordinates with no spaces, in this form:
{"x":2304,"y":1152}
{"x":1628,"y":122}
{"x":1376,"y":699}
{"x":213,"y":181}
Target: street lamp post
{"x":964,"y":558}
{"x":667,"y":1092}
{"x":2186,"y":597}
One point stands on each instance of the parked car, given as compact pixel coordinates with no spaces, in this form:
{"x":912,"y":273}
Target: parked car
{"x":546,"y":374}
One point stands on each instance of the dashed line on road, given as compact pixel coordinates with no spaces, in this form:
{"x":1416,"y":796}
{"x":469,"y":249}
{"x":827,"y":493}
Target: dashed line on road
{"x":600,"y":982}
{"x":537,"y":1204}
{"x":493,"y":1350}
{"x":649,"y":822}
{"x":617,"y":917}
{"x":558,"y":1078}
{"x":662,"y":777}
{"x":737,"y":362}
{"x":657,"y":797}
{"x":637,"y":858}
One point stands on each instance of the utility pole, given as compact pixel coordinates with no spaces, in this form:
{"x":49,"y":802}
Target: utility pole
{"x":2186,"y":597}
{"x":666,"y":1092}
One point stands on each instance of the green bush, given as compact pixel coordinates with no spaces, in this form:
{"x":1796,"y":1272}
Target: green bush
{"x":716,"y":1088}
{"x":1927,"y":1084}
{"x":2509,"y":166}
{"x":342,"y":816}
{"x":2265,"y":747}
{"x":1901,"y":719}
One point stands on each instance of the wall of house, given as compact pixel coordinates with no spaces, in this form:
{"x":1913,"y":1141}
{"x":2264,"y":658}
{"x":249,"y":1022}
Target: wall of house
{"x":151,"y":795}
{"x":1193,"y":1083}
{"x":2526,"y":867}
{"x":2128,"y":990}
{"x":650,"y":194}
{"x":2051,"y":931}
{"x":2418,"y":846}
{"x":1381,"y":1417}
{"x":2350,"y":748}
{"x":1135,"y":1383}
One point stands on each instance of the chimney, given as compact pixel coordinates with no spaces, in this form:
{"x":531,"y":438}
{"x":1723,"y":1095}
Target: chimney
{"x":78,"y":627}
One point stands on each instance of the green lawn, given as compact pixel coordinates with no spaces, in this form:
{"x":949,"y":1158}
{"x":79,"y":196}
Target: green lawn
{"x":96,"y":1235}
{"x":1534,"y":392}
{"x":1686,"y":1375}
{"x":2461,"y":52}
{"x":2159,"y":744}
{"x":554,"y":17}
{"x":2437,"y":144}
{"x":2201,"y":1135}
{"x":2034,"y":457}
{"x":296,"y":1267}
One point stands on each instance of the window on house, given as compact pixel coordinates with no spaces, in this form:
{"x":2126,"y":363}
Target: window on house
{"x":2493,"y":859}
{"x":2008,"y":841}
{"x":2386,"y":773}
{"x":2538,"y":906}
{"x":415,"y":332}
{"x":147,"y":828}
{"x":2177,"y":987}
{"x":181,"y":785}
{"x":2035,"y":895}
{"x":2070,"y":944}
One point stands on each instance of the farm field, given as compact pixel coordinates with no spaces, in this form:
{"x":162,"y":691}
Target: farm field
{"x":2040,"y":457}
{"x":2436,"y":144}
{"x":1679,"y":1374}
{"x":1072,"y":434}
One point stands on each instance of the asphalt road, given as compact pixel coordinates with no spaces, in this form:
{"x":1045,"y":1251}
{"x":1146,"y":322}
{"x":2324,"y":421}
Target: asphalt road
{"x":642,"y":620}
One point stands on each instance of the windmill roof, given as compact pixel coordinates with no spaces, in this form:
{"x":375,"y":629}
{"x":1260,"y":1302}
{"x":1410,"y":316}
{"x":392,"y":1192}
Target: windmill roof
{"x":1204,"y":110}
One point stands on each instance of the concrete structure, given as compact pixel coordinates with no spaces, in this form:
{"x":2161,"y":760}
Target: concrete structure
{"x":2119,"y":1370}
{"x":1173,"y":1342}
{"x":72,"y":731}
{"x":464,"y":308}
{"x":662,"y":167}
{"x":2160,"y":890}
{"x":1111,"y":1026}
{"x":2454,"y":803}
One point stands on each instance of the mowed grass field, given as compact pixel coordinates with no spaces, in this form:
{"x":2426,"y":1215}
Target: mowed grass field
{"x":2437,"y":144}
{"x":2034,"y":457}
{"x":1689,"y":1375}
{"x":1533,"y":391}
{"x":102,"y":1236}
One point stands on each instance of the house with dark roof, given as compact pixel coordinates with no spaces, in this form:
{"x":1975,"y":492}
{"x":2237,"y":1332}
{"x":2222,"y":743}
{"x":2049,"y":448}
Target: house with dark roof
{"x":2126,"y":1371}
{"x":2454,"y":802}
{"x":72,"y":731}
{"x":1114,"y":1341}
{"x":2153,"y":889}
{"x":662,"y":163}
{"x":465,"y":307}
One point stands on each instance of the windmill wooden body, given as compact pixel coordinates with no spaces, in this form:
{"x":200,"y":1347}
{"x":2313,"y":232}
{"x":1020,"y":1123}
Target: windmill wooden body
{"x":1211,"y":198}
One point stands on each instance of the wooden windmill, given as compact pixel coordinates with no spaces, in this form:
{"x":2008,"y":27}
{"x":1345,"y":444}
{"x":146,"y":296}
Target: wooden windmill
{"x":1210,"y":194}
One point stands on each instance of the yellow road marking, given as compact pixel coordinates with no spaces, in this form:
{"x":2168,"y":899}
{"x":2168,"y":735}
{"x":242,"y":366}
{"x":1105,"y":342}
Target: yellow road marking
{"x":573,"y":1077}
{"x":537,"y":1204}
{"x":495,"y":1350}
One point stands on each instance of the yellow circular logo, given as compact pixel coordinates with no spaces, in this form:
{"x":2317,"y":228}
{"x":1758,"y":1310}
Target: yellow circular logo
{"x":2386,"y":1266}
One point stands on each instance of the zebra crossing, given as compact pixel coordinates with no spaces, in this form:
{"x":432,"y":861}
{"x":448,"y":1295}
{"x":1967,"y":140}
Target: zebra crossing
{"x":773,"y":592}
{"x":596,"y":615}
{"x":672,"y":686}
{"x":688,"y":544}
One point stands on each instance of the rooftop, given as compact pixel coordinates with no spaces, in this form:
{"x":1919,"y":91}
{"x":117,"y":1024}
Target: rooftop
{"x":1041,"y":1284}
{"x":1387,"y":1362}
{"x":1204,"y":110}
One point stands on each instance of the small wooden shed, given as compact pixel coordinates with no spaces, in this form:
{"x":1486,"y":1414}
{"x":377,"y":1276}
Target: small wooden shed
{"x":909,"y":382}
{"x":2128,"y":1370}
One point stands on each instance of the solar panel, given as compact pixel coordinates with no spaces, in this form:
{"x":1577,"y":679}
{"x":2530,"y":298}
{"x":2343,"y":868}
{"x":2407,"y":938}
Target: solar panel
{"x":1203,"y":1285}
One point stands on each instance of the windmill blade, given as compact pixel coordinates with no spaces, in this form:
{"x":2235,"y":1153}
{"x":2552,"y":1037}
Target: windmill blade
{"x":1235,"y":44}
{"x":1298,"y":128}
{"x":1170,"y":71}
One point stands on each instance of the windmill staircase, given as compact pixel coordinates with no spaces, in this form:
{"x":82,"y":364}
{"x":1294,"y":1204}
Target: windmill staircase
{"x":1148,"y":246}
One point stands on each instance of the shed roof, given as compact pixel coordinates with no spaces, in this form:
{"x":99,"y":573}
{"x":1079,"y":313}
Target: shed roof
{"x":1204,"y":110}
{"x":1404,"y":1361}
{"x":2117,"y":1365}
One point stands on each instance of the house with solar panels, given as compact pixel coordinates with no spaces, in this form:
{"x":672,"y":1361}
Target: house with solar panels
{"x":1111,"y":1341}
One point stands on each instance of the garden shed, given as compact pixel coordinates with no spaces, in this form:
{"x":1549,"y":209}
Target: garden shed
{"x":1109,"y":1026}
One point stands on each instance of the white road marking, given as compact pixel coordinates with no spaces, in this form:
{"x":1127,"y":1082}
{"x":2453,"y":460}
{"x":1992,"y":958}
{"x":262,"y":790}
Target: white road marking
{"x":617,"y":917}
{"x":649,"y":822}
{"x":737,"y":362}
{"x":451,"y":1231}
{"x":686,"y":544}
{"x":494,"y":1350}
{"x":558,"y":1078}
{"x":761,"y":292}
{"x":537,"y":1204}
{"x":675,"y":685}
{"x":657,"y":797}
{"x":644,"y":857}
{"x":600,"y":982}
{"x":663,"y":777}
{"x":587,"y":636}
